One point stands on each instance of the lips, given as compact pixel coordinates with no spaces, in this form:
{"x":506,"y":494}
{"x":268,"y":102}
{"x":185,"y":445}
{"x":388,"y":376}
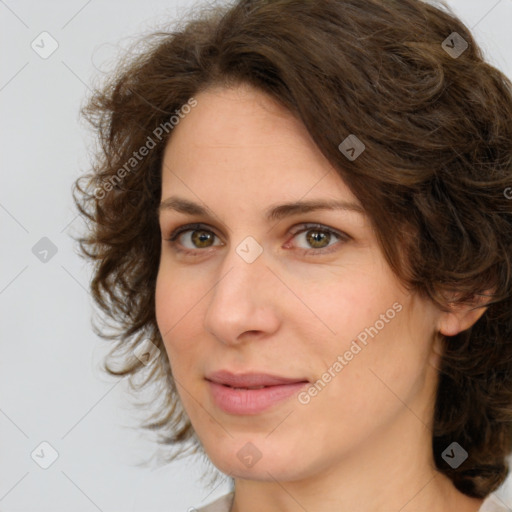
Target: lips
{"x":250,"y":393}
{"x":250,"y":380}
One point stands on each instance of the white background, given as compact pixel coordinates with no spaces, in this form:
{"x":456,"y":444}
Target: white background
{"x":51,"y":388}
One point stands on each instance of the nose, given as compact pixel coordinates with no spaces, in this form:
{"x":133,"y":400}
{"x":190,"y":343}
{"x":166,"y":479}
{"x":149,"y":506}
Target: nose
{"x":243,"y":304}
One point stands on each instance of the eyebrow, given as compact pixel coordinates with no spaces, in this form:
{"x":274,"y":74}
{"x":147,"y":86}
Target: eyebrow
{"x":273,"y":213}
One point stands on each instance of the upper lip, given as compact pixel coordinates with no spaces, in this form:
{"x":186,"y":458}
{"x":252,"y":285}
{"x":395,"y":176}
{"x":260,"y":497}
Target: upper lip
{"x":250,"y":379}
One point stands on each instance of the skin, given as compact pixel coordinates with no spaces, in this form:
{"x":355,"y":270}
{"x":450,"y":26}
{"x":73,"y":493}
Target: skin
{"x":363,"y":443}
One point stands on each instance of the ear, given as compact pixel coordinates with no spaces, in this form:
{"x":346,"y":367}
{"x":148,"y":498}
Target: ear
{"x":462,"y":316}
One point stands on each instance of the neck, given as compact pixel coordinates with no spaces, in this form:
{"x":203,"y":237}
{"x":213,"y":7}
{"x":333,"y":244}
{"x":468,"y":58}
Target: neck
{"x":388,"y":472}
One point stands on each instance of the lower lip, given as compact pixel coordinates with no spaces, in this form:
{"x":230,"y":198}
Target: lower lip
{"x":251,"y":401}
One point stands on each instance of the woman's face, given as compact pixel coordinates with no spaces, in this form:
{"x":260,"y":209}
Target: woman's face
{"x":299,"y":300}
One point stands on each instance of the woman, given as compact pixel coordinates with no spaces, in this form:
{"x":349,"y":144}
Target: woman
{"x":301,"y":228}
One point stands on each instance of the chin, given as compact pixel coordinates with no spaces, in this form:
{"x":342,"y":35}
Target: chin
{"x":247,"y":461}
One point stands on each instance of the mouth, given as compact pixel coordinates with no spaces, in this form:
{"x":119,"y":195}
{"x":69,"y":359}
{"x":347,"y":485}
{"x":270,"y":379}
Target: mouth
{"x":251,"y":393}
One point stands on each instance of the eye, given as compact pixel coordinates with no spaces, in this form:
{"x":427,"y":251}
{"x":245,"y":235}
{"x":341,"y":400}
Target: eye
{"x":316,"y":238}
{"x":192,"y":236}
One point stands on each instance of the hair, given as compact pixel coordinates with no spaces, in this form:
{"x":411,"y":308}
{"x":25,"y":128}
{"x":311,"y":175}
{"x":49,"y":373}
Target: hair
{"x":433,"y":178}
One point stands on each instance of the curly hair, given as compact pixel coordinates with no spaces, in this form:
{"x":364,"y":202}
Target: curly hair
{"x":437,"y":127}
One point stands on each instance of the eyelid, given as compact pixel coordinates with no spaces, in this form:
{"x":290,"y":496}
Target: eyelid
{"x":341,"y":236}
{"x":189,"y":227}
{"x":306,"y":226}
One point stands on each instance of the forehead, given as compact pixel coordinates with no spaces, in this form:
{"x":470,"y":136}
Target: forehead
{"x":240,"y":137}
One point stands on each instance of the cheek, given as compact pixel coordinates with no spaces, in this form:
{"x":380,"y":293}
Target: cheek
{"x":382,"y":336}
{"x":165,"y":304}
{"x":345,"y":307}
{"x":390,"y":369}
{"x":357,"y":293}
{"x":373,"y":386}
{"x":176,"y":301}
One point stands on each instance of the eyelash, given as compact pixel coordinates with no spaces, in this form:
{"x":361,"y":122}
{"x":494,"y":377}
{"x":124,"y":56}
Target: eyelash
{"x":342,"y":237}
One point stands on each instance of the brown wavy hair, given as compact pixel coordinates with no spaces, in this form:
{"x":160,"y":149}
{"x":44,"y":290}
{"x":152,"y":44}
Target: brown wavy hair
{"x":433,"y":179}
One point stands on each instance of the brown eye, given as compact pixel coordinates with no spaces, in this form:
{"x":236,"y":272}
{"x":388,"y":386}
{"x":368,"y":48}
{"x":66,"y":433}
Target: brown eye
{"x":202,"y":238}
{"x":318,"y":239}
{"x":191,"y":237}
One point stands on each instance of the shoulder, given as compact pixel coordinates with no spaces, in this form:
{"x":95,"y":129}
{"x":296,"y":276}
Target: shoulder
{"x":223,"y":504}
{"x":493,"y":504}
